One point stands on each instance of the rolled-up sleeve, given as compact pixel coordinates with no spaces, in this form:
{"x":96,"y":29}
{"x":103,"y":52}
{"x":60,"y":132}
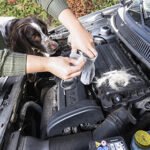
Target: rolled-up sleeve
{"x":53,"y":7}
{"x":12,"y":64}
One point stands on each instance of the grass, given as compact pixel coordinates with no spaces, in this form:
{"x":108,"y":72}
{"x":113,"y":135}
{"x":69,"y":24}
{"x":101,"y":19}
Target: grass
{"x":23,"y":8}
{"x":101,"y":4}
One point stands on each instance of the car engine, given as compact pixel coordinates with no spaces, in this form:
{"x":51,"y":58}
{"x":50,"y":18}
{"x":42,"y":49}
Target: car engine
{"x":42,"y":112}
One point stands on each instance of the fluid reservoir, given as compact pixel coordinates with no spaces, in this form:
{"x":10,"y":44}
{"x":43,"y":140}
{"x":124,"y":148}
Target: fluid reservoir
{"x":141,"y":140}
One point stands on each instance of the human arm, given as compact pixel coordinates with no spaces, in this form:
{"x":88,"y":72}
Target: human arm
{"x":53,"y":7}
{"x":63,"y":67}
{"x":12,"y":64}
{"x":80,"y":38}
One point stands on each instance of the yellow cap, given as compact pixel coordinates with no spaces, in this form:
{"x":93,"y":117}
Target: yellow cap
{"x":142,"y":138}
{"x":97,"y":144}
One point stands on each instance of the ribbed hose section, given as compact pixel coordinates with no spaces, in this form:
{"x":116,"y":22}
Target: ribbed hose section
{"x":114,"y":125}
{"x":49,"y":106}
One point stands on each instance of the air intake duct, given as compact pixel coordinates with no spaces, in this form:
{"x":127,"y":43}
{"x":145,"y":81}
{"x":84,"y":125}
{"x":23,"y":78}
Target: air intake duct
{"x":114,"y":125}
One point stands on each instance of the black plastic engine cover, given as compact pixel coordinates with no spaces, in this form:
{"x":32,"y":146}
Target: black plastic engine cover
{"x":114,"y":57}
{"x":85,"y":111}
{"x":70,"y":92}
{"x":59,"y":97}
{"x":68,"y":105}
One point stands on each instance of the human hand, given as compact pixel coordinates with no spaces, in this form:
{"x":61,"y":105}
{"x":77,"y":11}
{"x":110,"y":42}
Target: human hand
{"x":82,"y":40}
{"x":64,"y":67}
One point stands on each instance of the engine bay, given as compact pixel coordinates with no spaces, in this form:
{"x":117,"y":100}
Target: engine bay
{"x":42,"y":112}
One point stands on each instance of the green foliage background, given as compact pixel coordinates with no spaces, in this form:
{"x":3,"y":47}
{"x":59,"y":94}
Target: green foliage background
{"x":25,"y":8}
{"x":21,"y":9}
{"x":100,"y":4}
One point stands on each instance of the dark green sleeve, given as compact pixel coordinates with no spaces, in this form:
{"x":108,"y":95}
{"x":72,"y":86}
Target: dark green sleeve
{"x":12,"y":64}
{"x":53,"y":7}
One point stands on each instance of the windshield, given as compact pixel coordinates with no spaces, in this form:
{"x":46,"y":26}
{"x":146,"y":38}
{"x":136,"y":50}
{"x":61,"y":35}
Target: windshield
{"x":139,"y":10}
